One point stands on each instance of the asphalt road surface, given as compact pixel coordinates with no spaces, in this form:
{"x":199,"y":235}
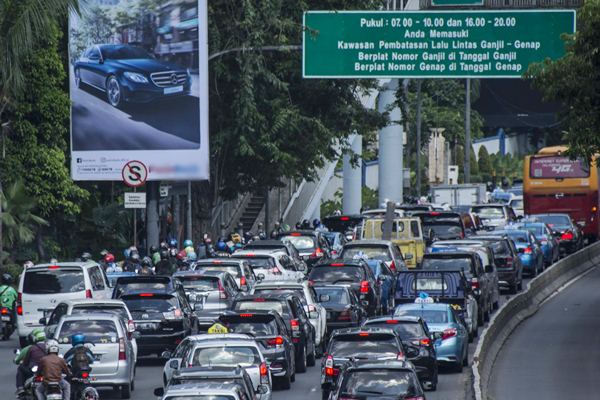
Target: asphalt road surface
{"x":554,"y":354}
{"x":170,"y":124}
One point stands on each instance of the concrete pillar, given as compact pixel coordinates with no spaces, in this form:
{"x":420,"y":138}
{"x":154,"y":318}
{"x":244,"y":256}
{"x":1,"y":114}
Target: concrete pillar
{"x":391,"y":147}
{"x":352,"y":201}
{"x":152,"y":219}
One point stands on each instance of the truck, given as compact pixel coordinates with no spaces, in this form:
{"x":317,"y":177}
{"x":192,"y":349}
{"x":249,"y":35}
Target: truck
{"x":457,"y":195}
{"x":406,"y":233}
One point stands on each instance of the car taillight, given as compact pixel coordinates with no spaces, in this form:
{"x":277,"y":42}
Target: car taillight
{"x":19,"y":303}
{"x":509,"y":261}
{"x":567,"y":236}
{"x":425,"y":342}
{"x":85,"y":375}
{"x":130,"y":326}
{"x":448,"y":333}
{"x":264,"y":374}
{"x":242,"y":281}
{"x":393,"y":266}
{"x":475,"y":283}
{"x":317,"y":253}
{"x":277,"y":341}
{"x":364,"y":287}
{"x":88,"y":294}
{"x":39,"y":378}
{"x":5,"y":311}
{"x":329,"y":370}
{"x":122,"y":354}
{"x":344,"y":316}
{"x":222,"y":293}
{"x":528,"y":250}
{"x":295,"y":327}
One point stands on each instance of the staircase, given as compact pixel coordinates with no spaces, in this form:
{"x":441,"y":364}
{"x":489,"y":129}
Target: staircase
{"x":253,"y":209}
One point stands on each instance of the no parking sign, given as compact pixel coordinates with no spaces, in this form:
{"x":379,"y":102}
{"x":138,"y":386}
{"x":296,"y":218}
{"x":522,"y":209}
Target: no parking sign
{"x":134,"y":173}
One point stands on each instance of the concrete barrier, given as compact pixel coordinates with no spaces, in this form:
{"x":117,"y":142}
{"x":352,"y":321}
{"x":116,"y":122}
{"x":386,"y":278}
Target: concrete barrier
{"x":521,"y":307}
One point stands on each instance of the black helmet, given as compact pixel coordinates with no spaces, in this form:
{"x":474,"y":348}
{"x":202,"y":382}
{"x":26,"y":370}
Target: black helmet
{"x":153,"y":249}
{"x":7,"y":279}
{"x":164,"y":254}
{"x":146,"y":262}
{"x":135,"y":256}
{"x":164,"y":245}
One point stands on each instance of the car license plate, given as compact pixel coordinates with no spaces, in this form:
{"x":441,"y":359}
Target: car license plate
{"x":174,"y":89}
{"x":146,"y":326}
{"x":5,"y":318}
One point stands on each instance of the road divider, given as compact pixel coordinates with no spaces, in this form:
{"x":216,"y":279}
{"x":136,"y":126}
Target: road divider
{"x":521,"y":307}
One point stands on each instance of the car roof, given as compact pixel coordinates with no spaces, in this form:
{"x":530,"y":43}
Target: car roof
{"x":358,"y":330}
{"x":218,"y":261}
{"x":329,"y":286}
{"x":212,"y":371}
{"x":87,"y":264}
{"x":216,"y":388}
{"x":266,"y":243}
{"x":267,"y":296}
{"x":203,"y":338}
{"x":446,"y":254}
{"x":368,"y":242}
{"x":489,"y":205}
{"x":346,"y":262}
{"x":257,"y":252}
{"x":91,"y":316}
{"x":78,"y":302}
{"x":424,"y":306}
{"x":302,"y":232}
{"x":403,"y":318}
{"x":209,"y":273}
{"x":381,"y":364}
{"x":281,"y":284}
{"x":230,"y":313}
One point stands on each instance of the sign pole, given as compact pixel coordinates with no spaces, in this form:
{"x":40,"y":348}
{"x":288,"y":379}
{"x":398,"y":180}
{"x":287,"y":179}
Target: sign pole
{"x":135,"y":223}
{"x":468,"y":132}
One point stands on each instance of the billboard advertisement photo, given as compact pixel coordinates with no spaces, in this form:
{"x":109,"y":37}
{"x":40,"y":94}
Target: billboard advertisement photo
{"x":138,"y":85}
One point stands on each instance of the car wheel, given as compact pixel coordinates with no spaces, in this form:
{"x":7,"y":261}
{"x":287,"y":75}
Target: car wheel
{"x":301,"y":361}
{"x":480,"y":318}
{"x":133,"y":385}
{"x":285,"y":382}
{"x":126,"y":391}
{"x":324,"y":395}
{"x":466,"y":359}
{"x":114,"y":93}
{"x":293,"y":377}
{"x":520,"y":285}
{"x":311,"y":359}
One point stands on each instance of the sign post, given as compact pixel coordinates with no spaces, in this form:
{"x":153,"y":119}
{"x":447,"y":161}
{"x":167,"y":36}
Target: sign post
{"x":134,"y":175}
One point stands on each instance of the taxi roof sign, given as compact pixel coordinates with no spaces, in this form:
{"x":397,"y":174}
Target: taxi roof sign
{"x":424,"y":299}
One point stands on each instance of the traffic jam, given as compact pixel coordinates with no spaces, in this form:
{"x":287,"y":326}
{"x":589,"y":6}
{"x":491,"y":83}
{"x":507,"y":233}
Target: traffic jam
{"x":380,"y":318}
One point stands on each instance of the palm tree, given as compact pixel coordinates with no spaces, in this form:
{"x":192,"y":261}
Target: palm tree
{"x":22,"y":24}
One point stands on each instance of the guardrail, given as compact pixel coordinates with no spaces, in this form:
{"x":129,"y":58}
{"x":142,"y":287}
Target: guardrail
{"x":523,"y":306}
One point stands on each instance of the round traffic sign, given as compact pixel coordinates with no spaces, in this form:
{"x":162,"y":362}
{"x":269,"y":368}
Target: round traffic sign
{"x":134,"y":173}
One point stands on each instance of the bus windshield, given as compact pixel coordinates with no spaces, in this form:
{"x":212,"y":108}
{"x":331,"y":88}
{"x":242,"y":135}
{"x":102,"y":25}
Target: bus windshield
{"x":557,"y":167}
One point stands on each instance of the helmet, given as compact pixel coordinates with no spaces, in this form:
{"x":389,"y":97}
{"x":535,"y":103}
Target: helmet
{"x":221,"y":246}
{"x":153,"y":249}
{"x":52,"y":347}
{"x":192,"y":256}
{"x":164,"y":254}
{"x":173,"y":252}
{"x":28,"y":264}
{"x":104,"y":252}
{"x":236,"y":238}
{"x":182,"y":255}
{"x":164,"y":245}
{"x":6,"y":279}
{"x":37,"y":335}
{"x":109,"y":258}
{"x":146,"y":262}
{"x":316,"y":222}
{"x":188,"y":243}
{"x":189,"y":249}
{"x":173,"y":242}
{"x":86,"y":256}
{"x":135,"y":256}
{"x":78,"y":338}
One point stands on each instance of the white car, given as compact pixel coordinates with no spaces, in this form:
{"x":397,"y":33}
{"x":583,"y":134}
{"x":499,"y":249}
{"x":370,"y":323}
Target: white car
{"x":218,"y":350}
{"x":517,"y":205}
{"x":272,"y":264}
{"x":315,"y":311}
{"x":42,"y":287}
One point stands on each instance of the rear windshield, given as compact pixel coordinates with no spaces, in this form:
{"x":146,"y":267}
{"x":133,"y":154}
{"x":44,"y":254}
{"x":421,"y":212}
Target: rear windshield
{"x":54,"y":281}
{"x":151,"y":304}
{"x":489,"y":212}
{"x":253,"y":326}
{"x":267,"y":291}
{"x":518,"y":237}
{"x":374,"y":252}
{"x":199,"y":282}
{"x":94,"y":331}
{"x":336,"y":274}
{"x":234,"y":270}
{"x":94,"y":309}
{"x":123,"y":288}
{"x":445,"y":231}
{"x":557,"y":167}
{"x":446,"y":264}
{"x":200,"y":397}
{"x":336,"y":296}
{"x":258,"y":262}
{"x":406,"y":330}
{"x":536,"y":230}
{"x":250,"y":305}
{"x":226,"y":356}
{"x":372,"y":346}
{"x":301,"y":242}
{"x":552,"y":220}
{"x":371,"y":383}
{"x":429,"y":316}
{"x":500,"y":248}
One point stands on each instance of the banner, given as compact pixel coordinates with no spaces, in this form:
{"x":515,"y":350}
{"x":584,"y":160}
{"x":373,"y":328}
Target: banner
{"x":139,"y":89}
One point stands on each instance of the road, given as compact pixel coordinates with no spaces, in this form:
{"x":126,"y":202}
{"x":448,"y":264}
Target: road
{"x":554,"y":354}
{"x":96,"y":125}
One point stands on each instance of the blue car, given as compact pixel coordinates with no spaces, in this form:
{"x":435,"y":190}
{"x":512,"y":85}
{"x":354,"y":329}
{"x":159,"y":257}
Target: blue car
{"x":387,"y":280}
{"x":130,"y":74}
{"x":530,"y":251}
{"x":112,"y":278}
{"x":451,"y":336}
{"x":548,"y":242}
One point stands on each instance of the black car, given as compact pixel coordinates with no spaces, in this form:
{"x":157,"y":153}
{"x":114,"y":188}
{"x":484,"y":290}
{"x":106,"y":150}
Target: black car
{"x":142,"y":283}
{"x":444,"y":225}
{"x":163,"y":319}
{"x":414,"y":335}
{"x":130,"y":74}
{"x":508,"y":262}
{"x":355,"y":273}
{"x":271,"y":333}
{"x":289,"y":306}
{"x":343,"y":307}
{"x":371,"y":380}
{"x":569,"y":235}
{"x":357,"y":344}
{"x":312,"y":245}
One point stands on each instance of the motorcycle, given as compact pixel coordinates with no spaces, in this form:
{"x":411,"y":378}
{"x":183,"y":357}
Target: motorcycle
{"x":8,"y":322}
{"x":53,"y":391}
{"x":31,"y":385}
{"x":81,"y":389}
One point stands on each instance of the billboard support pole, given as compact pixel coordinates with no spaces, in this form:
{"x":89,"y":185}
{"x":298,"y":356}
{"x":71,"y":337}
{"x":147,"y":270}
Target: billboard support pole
{"x":135,"y":223}
{"x":418,"y":146}
{"x":152,"y":218}
{"x":467,"y":166}
{"x":188,"y":228}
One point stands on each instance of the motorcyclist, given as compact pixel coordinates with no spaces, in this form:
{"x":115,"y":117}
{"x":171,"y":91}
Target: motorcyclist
{"x":79,"y":356}
{"x":201,"y":249}
{"x":154,"y":254}
{"x":85,"y":257}
{"x":30,"y":357}
{"x":111,"y":266}
{"x":276,"y":230}
{"x":146,"y":267}
{"x":164,"y":266}
{"x":188,"y":246}
{"x":8,"y":295}
{"x":182,"y":262}
{"x":28,"y":264}
{"x":132,"y":264}
{"x":173,"y":243}
{"x":52,"y":368}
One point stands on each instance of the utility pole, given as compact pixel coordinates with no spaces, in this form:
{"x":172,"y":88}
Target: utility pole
{"x":352,"y":201}
{"x":418,"y":146}
{"x":152,"y":218}
{"x":188,"y":228}
{"x":467,"y":167}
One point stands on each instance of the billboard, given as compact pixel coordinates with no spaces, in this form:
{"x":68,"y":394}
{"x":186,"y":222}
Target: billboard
{"x":139,"y":89}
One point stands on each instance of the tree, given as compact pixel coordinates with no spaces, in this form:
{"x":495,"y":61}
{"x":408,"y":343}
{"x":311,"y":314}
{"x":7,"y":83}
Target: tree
{"x":574,"y":79}
{"x":485,"y":164}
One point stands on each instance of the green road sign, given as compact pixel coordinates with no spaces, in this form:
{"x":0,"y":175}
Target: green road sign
{"x":426,"y":44}
{"x":456,"y":2}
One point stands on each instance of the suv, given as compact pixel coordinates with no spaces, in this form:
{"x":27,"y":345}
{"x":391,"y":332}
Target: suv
{"x":239,"y":269}
{"x":209,"y":293}
{"x":354,"y":273}
{"x":494,"y":216}
{"x":289,"y":306}
{"x":508,"y":262}
{"x":281,"y":246}
{"x":142,"y":283}
{"x":444,"y":225}
{"x":383,"y":250}
{"x":316,"y":313}
{"x":271,"y":333}
{"x":205,"y":390}
{"x":201,"y":375}
{"x":414,"y":334}
{"x":312,"y":245}
{"x":41,"y":287}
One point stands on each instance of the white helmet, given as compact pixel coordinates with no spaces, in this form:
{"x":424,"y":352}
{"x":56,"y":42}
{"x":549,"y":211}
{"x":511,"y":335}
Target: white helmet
{"x":52,"y":346}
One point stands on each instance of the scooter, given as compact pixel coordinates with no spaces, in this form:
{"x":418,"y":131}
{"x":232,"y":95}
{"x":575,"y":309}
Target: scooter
{"x":81,"y":389}
{"x":8,"y":322}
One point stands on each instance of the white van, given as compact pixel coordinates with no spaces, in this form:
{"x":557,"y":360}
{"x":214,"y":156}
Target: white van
{"x":42,"y":287}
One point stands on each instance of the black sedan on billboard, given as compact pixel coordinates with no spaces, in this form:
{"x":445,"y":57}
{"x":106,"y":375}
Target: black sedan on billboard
{"x":129,"y":74}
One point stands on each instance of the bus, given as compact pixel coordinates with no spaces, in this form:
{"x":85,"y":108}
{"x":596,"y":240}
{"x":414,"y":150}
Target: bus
{"x":553,"y":183}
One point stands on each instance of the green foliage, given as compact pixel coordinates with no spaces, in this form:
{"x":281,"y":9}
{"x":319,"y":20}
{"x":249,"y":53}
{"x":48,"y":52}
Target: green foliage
{"x":506,"y":166}
{"x":484,"y":162}
{"x":574,"y":80}
{"x":370,"y":200}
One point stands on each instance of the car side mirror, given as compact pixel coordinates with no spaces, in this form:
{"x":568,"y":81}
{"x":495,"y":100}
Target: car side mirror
{"x":324,"y":298}
{"x":489,"y":269}
{"x":43,"y":321}
{"x":136,"y":335}
{"x":166,"y":355}
{"x":262,"y":389}
{"x":159,"y":392}
{"x":174,"y":364}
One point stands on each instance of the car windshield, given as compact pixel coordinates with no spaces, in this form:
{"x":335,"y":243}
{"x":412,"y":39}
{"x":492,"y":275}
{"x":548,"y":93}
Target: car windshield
{"x":406,"y":330}
{"x":253,"y":327}
{"x":101,"y":308}
{"x":489,"y":212}
{"x":446,"y":264}
{"x":124,"y":53}
{"x":376,"y":252}
{"x":535,"y":229}
{"x":336,"y":295}
{"x":258,"y":262}
{"x":226,"y":356}
{"x":200,"y":397}
{"x":297,"y":291}
{"x":152,"y":304}
{"x":429,"y":316}
{"x":518,"y":237}
{"x":551,"y":220}
{"x":382,"y":382}
{"x":53,"y":281}
{"x":372,"y":346}
{"x":95,"y":331}
{"x":234,"y":270}
{"x":445,"y":231}
{"x":301,"y":242}
{"x":207,"y":283}
{"x":336,"y":274}
{"x":252,"y":305}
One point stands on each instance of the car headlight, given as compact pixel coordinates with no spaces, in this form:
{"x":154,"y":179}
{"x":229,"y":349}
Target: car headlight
{"x":135,"y":77}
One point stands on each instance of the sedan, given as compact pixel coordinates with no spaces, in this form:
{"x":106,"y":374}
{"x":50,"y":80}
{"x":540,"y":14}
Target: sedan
{"x":569,"y":234}
{"x":548,"y":241}
{"x":130,"y":74}
{"x":343,"y":308}
{"x":530,"y":251}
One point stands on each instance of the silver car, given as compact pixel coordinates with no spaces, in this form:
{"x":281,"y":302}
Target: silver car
{"x":106,"y":336}
{"x":228,"y":350}
{"x":204,"y":391}
{"x":239,"y":269}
